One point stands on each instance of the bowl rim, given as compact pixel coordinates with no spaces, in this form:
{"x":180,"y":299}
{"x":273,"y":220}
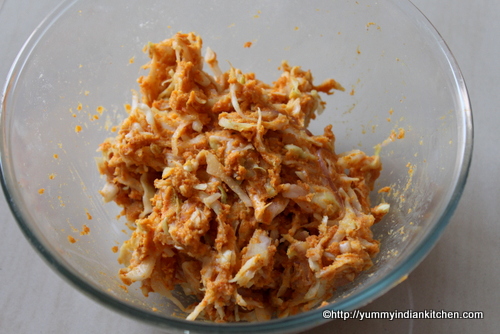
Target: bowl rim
{"x":300,"y":321}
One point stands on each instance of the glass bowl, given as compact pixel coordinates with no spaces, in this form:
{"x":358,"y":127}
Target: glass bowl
{"x":78,"y":68}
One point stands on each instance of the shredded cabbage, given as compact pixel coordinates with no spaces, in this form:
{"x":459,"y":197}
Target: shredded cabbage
{"x":230,"y":197}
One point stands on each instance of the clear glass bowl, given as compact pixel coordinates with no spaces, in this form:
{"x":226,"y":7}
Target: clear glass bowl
{"x":397,"y":71}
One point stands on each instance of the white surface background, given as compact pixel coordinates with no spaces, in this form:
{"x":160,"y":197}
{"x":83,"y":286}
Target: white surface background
{"x":462,"y":273}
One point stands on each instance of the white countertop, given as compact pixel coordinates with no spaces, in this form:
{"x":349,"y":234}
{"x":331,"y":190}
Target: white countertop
{"x":462,"y":272}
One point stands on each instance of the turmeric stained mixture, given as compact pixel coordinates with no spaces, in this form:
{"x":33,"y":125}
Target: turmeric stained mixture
{"x":232,"y":199}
